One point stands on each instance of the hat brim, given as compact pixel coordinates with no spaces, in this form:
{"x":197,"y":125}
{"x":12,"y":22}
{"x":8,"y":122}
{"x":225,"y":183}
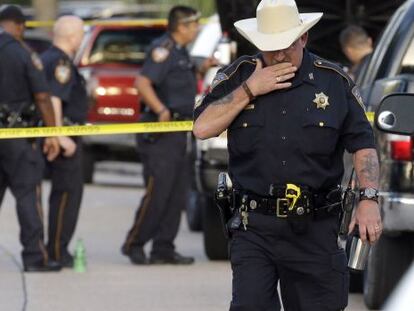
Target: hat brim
{"x":276,"y":41}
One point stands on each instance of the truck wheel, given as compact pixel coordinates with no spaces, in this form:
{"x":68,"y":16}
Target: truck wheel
{"x":390,"y":257}
{"x":215,"y":243}
{"x":194,"y":210}
{"x":88,"y":165}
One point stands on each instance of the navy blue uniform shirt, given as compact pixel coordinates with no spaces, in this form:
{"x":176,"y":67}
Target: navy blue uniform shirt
{"x":296,"y":135}
{"x":21,"y":73}
{"x":172,"y":73}
{"x":67,"y":84}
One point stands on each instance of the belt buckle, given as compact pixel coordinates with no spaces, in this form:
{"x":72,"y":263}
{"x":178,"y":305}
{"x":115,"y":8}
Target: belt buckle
{"x":278,"y":201}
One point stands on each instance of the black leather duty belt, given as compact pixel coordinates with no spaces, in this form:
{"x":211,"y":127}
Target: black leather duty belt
{"x":312,"y":204}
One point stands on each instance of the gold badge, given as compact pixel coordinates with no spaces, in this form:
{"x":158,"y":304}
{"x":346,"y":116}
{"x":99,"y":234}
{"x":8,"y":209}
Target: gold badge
{"x":62,"y":72}
{"x":321,"y":101}
{"x":36,"y":61}
{"x":159,"y":54}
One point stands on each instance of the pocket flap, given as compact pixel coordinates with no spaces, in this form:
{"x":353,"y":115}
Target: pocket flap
{"x":247,"y":119}
{"x":321,"y":122}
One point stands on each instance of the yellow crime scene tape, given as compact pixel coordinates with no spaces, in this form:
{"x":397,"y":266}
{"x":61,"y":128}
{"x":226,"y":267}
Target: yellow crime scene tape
{"x":108,"y":129}
{"x":103,"y":129}
{"x":132,"y":22}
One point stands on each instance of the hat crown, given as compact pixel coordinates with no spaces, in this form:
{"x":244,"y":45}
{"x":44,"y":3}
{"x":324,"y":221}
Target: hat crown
{"x":275,"y":16}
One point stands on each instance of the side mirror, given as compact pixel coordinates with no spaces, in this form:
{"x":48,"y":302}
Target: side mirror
{"x":395,"y":114}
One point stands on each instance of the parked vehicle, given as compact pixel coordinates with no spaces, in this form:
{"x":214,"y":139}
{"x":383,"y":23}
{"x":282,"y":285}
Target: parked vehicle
{"x":390,"y":70}
{"x":110,"y":58}
{"x":395,"y":115}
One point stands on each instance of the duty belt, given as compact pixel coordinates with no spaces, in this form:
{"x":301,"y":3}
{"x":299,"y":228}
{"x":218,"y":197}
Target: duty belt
{"x":309,"y":203}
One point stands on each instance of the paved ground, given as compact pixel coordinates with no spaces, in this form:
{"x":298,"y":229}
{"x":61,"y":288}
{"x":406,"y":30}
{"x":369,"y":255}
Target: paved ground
{"x":111,"y":283}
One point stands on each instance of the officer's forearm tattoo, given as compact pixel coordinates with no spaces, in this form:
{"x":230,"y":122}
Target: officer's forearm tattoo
{"x":225,"y":100}
{"x":367,"y":167}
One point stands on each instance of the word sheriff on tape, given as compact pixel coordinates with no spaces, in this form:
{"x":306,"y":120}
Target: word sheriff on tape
{"x":102,"y":129}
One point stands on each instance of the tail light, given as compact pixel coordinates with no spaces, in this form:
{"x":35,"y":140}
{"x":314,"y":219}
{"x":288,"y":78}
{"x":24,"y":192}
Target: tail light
{"x":401,"y":147}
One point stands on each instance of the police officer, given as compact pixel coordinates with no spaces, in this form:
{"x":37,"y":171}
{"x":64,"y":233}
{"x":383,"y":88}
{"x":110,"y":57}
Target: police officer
{"x":289,"y":116}
{"x":70,"y":103}
{"x":167,"y":85}
{"x":22,"y":81}
{"x":357,"y":46}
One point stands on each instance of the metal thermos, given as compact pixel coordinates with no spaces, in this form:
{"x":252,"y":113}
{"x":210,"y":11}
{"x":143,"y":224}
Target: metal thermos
{"x":358,"y":252}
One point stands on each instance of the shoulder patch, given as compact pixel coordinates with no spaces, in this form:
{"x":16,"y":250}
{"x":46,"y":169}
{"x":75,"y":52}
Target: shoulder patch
{"x":63,"y":72}
{"x":220,"y":77}
{"x":160,"y":54}
{"x":36,"y":61}
{"x":199,"y":101}
{"x":328,"y":65}
{"x":358,"y":97}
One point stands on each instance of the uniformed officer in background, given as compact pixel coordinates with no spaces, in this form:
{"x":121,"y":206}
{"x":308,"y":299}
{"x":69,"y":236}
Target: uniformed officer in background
{"x":357,"y":46}
{"x":290,"y":115}
{"x":22,"y":82}
{"x":167,"y":84}
{"x":69,"y":100}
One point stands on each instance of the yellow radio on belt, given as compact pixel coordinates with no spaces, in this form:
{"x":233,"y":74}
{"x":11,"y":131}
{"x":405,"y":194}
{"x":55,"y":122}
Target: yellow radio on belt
{"x":293,"y":193}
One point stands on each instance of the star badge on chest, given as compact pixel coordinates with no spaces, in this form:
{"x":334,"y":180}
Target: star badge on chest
{"x":321,"y":100}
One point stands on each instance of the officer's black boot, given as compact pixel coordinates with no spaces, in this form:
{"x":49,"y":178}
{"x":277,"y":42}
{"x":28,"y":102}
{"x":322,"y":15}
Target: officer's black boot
{"x":136,"y":255}
{"x":50,"y":266}
{"x":174,"y":259}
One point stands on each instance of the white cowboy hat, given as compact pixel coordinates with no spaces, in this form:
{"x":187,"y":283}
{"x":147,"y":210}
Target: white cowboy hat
{"x":277,"y":25}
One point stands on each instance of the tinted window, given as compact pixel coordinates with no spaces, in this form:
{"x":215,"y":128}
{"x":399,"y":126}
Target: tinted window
{"x":122,"y":46}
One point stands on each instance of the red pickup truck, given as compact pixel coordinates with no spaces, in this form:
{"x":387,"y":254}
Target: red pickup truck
{"x":110,"y":58}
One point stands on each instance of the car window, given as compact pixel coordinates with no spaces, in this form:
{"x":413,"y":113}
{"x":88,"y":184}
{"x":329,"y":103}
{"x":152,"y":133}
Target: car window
{"x":407,"y":64}
{"x":122,"y":46}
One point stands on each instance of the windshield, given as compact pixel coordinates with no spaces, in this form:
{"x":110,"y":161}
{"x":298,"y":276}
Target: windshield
{"x":123,"y":46}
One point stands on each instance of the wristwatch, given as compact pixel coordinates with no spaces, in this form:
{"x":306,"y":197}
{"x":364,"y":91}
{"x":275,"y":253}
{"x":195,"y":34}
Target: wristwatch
{"x":368,"y":194}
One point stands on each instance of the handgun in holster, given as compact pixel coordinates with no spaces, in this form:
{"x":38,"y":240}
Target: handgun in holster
{"x":348,"y":203}
{"x":224,"y":200}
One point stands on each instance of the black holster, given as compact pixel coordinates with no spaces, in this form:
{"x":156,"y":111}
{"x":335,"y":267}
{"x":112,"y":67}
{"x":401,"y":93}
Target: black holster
{"x":224,"y":201}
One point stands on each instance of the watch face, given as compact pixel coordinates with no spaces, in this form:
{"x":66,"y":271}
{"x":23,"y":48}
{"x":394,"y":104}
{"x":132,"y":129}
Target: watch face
{"x":370,"y":192}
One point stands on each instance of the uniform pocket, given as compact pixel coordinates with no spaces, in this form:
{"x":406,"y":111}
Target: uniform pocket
{"x":319,"y":136}
{"x":245,"y":133}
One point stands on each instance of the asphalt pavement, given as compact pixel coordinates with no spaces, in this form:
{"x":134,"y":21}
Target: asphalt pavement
{"x":111,"y":283}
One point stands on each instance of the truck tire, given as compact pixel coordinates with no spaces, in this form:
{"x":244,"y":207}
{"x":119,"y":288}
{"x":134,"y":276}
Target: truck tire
{"x":88,"y":162}
{"x":390,"y":257}
{"x":215,"y":243}
{"x":194,"y":210}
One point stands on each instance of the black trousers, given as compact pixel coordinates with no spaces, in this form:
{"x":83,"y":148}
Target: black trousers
{"x":21,"y":168}
{"x":310,"y":267}
{"x":64,"y":201}
{"x":165,"y":167}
